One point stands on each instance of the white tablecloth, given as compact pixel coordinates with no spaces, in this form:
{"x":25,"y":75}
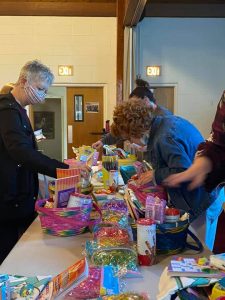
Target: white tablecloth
{"x":41,"y":254}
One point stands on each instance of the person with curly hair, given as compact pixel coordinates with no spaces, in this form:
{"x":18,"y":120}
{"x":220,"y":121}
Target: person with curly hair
{"x":142,"y":91}
{"x":171,"y":144}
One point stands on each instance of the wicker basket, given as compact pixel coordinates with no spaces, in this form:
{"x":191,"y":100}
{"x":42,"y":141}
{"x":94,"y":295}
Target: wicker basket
{"x":66,"y":221}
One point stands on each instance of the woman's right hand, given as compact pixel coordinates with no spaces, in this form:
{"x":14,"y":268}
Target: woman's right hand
{"x":97,"y":145}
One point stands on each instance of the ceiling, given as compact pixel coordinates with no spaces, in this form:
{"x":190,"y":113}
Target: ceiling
{"x":185,"y":8}
{"x":108,"y":8}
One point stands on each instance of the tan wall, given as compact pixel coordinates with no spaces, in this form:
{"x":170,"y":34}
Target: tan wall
{"x":89,"y":44}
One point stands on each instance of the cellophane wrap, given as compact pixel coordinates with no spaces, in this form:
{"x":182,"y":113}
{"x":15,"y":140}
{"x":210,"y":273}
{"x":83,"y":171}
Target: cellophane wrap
{"x":127,"y":296}
{"x":123,"y":257}
{"x":111,"y":235}
{"x":115,"y":217}
{"x":101,"y":281}
{"x":116,"y":205}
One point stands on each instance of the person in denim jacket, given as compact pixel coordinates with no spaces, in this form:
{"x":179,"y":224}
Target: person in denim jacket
{"x":142,"y":91}
{"x":209,"y":164}
{"x":208,"y":169}
{"x":171,"y":144}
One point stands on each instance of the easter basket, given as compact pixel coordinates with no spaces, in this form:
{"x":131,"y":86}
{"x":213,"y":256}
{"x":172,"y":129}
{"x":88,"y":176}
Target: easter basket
{"x":67,"y":221}
{"x":172,"y":238}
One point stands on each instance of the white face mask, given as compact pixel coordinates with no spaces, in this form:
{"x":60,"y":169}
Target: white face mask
{"x":34,"y":95}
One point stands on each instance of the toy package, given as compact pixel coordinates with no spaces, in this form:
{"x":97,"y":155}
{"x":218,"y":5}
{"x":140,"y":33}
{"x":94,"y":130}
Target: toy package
{"x":86,"y":154}
{"x":63,"y":188}
{"x":62,"y":281}
{"x":4,"y":287}
{"x":22,"y":287}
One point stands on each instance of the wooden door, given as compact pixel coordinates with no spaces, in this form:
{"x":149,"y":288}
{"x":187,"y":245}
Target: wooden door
{"x":164,"y":96}
{"x":84,"y":116}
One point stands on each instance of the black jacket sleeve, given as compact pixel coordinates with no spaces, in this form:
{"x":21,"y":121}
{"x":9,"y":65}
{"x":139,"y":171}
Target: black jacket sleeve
{"x":17,"y":140}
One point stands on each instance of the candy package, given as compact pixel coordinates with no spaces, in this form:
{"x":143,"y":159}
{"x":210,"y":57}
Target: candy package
{"x":120,"y":256}
{"x":115,"y":217}
{"x":100,"y":281}
{"x":111,"y":235}
{"x":115,"y":205}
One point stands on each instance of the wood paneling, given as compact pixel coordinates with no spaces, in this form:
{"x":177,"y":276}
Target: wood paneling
{"x":186,"y":1}
{"x":89,"y":130}
{"x":108,"y":8}
{"x":58,"y":8}
{"x":120,"y":49}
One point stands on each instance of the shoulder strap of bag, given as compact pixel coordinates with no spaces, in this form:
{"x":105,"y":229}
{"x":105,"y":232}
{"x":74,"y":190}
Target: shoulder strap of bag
{"x":198,"y":247}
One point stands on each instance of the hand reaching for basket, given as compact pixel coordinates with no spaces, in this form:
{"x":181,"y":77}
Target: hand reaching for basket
{"x":85,"y":169}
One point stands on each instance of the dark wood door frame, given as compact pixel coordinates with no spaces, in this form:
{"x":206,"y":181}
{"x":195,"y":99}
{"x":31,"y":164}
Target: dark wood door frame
{"x":129,"y":13}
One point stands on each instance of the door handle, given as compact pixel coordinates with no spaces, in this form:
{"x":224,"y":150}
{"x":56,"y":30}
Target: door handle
{"x":70,"y":134}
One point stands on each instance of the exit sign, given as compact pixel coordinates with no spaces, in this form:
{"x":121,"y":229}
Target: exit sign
{"x":153,"y":70}
{"x":65,"y":70}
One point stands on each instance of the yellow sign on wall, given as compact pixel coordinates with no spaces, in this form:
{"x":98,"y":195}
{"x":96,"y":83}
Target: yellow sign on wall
{"x":153,"y":70}
{"x":65,"y":70}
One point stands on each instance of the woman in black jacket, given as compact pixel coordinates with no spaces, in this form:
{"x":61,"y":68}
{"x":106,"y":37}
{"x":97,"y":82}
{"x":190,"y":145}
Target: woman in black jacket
{"x":20,"y":162}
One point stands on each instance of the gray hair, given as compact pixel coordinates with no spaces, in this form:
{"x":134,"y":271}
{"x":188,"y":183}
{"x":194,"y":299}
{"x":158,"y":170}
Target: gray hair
{"x":35,"y":70}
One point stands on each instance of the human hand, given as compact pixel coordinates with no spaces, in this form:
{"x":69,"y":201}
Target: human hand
{"x":84,"y":168}
{"x":196,"y":174}
{"x":138,"y":147}
{"x":97,"y":145}
{"x":85,"y":171}
{"x":145,"y":178}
